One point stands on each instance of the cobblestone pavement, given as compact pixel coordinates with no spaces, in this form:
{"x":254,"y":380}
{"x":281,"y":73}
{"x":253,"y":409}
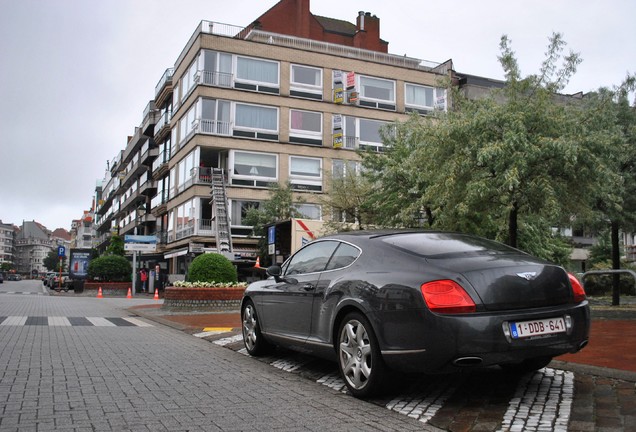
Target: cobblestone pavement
{"x":154,"y":378}
{"x":105,"y":376}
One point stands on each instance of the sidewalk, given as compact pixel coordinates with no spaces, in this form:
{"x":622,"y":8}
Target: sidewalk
{"x":611,"y":351}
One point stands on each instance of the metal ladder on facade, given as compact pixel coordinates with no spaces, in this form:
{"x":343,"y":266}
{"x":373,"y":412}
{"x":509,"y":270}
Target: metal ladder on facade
{"x":219,"y":210}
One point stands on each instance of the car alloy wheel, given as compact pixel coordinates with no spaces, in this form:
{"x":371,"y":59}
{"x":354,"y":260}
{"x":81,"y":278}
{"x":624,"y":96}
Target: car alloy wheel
{"x":359,"y":358}
{"x":254,"y":342}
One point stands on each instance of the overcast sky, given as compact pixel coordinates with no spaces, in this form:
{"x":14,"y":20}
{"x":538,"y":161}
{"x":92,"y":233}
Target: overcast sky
{"x":76,"y":75}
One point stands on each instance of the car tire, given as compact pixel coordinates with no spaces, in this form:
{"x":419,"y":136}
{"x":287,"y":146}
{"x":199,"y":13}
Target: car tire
{"x":527,"y":365}
{"x":255,"y":343}
{"x":359,"y":358}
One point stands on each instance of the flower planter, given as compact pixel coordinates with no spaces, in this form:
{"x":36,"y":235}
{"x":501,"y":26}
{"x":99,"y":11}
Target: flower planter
{"x":213,"y":299}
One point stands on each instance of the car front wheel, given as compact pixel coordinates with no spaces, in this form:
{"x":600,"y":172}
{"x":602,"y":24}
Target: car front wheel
{"x":359,"y":359}
{"x":254,"y":342}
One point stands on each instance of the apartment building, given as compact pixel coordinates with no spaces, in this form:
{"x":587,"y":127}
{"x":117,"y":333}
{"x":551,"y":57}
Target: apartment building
{"x":7,"y":233}
{"x":82,"y":231}
{"x":279,"y":101}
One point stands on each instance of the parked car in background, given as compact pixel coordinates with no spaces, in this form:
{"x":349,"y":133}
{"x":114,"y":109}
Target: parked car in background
{"x":1,"y":278}
{"x":47,"y":278}
{"x":14,"y":277}
{"x":416,"y":301}
{"x":60,"y":284}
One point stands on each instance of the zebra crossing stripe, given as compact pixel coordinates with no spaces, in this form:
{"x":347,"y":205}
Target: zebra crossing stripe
{"x":137,"y":322}
{"x":58,"y":321}
{"x":14,"y":321}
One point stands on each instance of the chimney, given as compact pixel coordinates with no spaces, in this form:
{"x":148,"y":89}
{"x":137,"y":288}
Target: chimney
{"x":368,"y":33}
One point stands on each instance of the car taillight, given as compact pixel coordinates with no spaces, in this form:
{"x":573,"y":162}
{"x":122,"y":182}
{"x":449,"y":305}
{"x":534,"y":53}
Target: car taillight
{"x":447,"y":296}
{"x":577,"y":289}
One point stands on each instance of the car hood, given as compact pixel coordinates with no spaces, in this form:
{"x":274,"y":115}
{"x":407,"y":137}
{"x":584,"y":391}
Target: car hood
{"x":506,"y":281}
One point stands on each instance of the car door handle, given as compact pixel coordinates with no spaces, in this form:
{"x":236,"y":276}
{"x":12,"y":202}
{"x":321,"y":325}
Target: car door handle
{"x":308,"y":287}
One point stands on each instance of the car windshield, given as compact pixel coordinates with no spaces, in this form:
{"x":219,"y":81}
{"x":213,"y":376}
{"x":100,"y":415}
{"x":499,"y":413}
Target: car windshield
{"x":435,"y":245}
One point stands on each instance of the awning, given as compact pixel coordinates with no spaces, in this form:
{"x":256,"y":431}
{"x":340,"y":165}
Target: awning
{"x":174,"y":254}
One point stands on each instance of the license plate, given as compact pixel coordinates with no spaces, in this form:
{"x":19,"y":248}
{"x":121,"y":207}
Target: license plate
{"x":525,"y":329}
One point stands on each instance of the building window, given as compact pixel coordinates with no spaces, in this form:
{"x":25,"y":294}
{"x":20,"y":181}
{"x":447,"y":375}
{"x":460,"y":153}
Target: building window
{"x":309,"y":211}
{"x":377,"y":92}
{"x":306,"y":82}
{"x":257,"y":74}
{"x":215,"y":117}
{"x":305,"y":127}
{"x":305,"y":173}
{"x":253,"y":169}
{"x":343,"y":168}
{"x":238,"y":211}
{"x":255,"y":121}
{"x":362,"y":133}
{"x":424,"y":99}
{"x":217,"y":69}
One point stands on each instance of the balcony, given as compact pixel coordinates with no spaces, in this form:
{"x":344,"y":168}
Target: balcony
{"x":193,"y":227}
{"x":151,"y":115}
{"x":163,"y":89}
{"x":216,"y":79}
{"x":212,"y":127}
{"x":162,"y":128}
{"x":160,"y":165}
{"x":198,"y":176}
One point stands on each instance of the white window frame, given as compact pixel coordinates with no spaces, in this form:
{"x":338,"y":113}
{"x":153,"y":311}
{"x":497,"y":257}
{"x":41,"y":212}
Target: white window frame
{"x":316,"y":206}
{"x":309,"y":180}
{"x":438,"y":92}
{"x":304,"y":133}
{"x":237,"y":78}
{"x":255,"y":177}
{"x":304,"y":87}
{"x":360,"y":87}
{"x":255,"y":129}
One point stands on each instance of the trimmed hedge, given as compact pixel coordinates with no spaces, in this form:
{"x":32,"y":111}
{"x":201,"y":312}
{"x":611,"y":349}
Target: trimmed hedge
{"x":112,"y":268}
{"x":212,"y":267}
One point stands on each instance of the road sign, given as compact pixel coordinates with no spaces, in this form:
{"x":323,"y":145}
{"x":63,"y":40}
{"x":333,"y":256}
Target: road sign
{"x":61,"y":251}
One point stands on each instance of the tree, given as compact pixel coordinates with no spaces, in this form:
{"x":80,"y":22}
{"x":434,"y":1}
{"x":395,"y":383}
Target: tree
{"x":279,"y":207}
{"x":116,"y":246}
{"x":348,"y":199}
{"x":508,"y":166}
{"x":610,"y":112}
{"x":52,"y":261}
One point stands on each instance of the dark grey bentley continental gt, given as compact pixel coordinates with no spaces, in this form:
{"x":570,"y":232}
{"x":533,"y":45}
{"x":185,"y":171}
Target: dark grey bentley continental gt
{"x":416,"y":301}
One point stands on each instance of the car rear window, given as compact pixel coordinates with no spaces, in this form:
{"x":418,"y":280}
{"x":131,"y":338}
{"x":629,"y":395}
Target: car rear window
{"x":433,"y":245}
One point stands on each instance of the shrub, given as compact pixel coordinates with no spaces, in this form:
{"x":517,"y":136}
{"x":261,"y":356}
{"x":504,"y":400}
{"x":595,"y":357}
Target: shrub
{"x":110,"y":268}
{"x":212,"y":267}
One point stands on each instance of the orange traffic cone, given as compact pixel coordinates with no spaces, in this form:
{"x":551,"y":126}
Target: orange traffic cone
{"x":156,"y":294}
{"x":99,"y":293}
{"x":258,"y":262}
{"x":129,"y":295}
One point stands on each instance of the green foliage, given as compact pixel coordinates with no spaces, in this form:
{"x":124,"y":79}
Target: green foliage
{"x":212,"y":267}
{"x":279,"y":207}
{"x":513,"y":164}
{"x":110,"y":268}
{"x":5,"y":266}
{"x":52,"y":261}
{"x":116,"y":246}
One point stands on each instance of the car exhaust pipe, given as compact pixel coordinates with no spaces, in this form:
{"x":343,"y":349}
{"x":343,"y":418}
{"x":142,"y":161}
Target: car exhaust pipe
{"x":467,"y":361}
{"x":583,"y":344}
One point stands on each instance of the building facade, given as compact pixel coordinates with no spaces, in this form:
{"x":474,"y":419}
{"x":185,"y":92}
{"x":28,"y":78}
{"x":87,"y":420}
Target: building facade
{"x":277,"y":102}
{"x":7,"y":234}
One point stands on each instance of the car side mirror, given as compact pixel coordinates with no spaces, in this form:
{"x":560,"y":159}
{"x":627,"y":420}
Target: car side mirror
{"x":274,"y":271}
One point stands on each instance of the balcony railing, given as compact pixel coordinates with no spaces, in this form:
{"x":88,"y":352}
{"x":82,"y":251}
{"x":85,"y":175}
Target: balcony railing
{"x":216,"y":79}
{"x":198,"y":175}
{"x":167,"y":76}
{"x":213,"y":127}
